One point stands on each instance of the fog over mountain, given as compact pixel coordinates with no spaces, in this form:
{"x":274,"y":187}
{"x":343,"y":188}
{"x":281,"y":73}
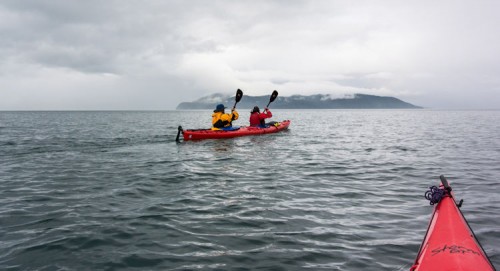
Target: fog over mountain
{"x":317,"y":101}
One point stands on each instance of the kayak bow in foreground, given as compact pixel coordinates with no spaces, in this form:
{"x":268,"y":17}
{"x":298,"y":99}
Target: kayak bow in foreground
{"x":242,"y":131}
{"x":450,"y":243}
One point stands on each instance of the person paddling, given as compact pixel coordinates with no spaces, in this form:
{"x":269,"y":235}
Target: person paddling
{"x":221,"y":120}
{"x":257,"y":118}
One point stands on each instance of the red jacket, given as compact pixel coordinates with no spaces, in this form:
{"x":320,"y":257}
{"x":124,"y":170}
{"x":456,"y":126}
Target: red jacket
{"x":257,"y":118}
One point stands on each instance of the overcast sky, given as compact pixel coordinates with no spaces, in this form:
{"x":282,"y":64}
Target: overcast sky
{"x":112,"y":55}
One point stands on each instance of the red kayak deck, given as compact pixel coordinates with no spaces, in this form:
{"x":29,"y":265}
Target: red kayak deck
{"x":242,"y":131}
{"x":450,"y":243}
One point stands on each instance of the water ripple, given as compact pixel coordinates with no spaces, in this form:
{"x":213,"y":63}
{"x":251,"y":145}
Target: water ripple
{"x":113,"y":191}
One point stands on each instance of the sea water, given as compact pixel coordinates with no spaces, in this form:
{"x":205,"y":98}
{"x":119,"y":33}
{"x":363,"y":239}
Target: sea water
{"x":340,"y":190}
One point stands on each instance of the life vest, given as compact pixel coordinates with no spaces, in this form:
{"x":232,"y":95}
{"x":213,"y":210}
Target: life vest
{"x":221,"y":120}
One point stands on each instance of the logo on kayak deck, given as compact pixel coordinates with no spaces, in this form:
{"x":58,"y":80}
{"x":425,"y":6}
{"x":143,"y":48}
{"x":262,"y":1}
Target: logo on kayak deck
{"x":454,"y":249}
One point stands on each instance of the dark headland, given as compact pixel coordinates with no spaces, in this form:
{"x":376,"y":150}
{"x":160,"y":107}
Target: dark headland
{"x":318,"y":101}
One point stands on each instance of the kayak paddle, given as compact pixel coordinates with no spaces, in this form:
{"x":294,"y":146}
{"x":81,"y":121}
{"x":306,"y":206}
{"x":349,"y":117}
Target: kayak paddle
{"x":273,"y":97}
{"x":237,"y":98}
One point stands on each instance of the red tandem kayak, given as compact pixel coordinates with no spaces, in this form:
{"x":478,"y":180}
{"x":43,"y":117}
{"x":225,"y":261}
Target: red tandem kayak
{"x":450,"y":243}
{"x":242,"y":131}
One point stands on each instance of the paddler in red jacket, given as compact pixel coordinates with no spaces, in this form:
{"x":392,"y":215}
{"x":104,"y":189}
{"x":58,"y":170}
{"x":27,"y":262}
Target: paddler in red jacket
{"x":221,"y":120}
{"x":257,"y":118}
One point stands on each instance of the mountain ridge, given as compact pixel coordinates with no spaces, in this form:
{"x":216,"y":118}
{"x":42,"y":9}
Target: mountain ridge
{"x":315,"y":101}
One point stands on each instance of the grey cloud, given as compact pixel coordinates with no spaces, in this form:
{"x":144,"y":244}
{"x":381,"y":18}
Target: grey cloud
{"x":88,"y":36}
{"x":182,"y":50}
{"x":362,"y":81}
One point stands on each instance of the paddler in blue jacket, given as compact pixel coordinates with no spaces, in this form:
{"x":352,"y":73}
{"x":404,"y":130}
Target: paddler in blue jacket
{"x":221,"y":120}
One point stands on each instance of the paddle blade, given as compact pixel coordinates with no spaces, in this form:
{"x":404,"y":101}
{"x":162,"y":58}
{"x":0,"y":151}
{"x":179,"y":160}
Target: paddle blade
{"x":239,"y":94}
{"x":273,"y":96}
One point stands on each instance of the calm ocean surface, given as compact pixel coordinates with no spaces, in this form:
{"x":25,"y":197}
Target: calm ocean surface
{"x":340,"y":190}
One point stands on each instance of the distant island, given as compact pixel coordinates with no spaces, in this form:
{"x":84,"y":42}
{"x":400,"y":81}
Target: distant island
{"x":317,"y":101}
